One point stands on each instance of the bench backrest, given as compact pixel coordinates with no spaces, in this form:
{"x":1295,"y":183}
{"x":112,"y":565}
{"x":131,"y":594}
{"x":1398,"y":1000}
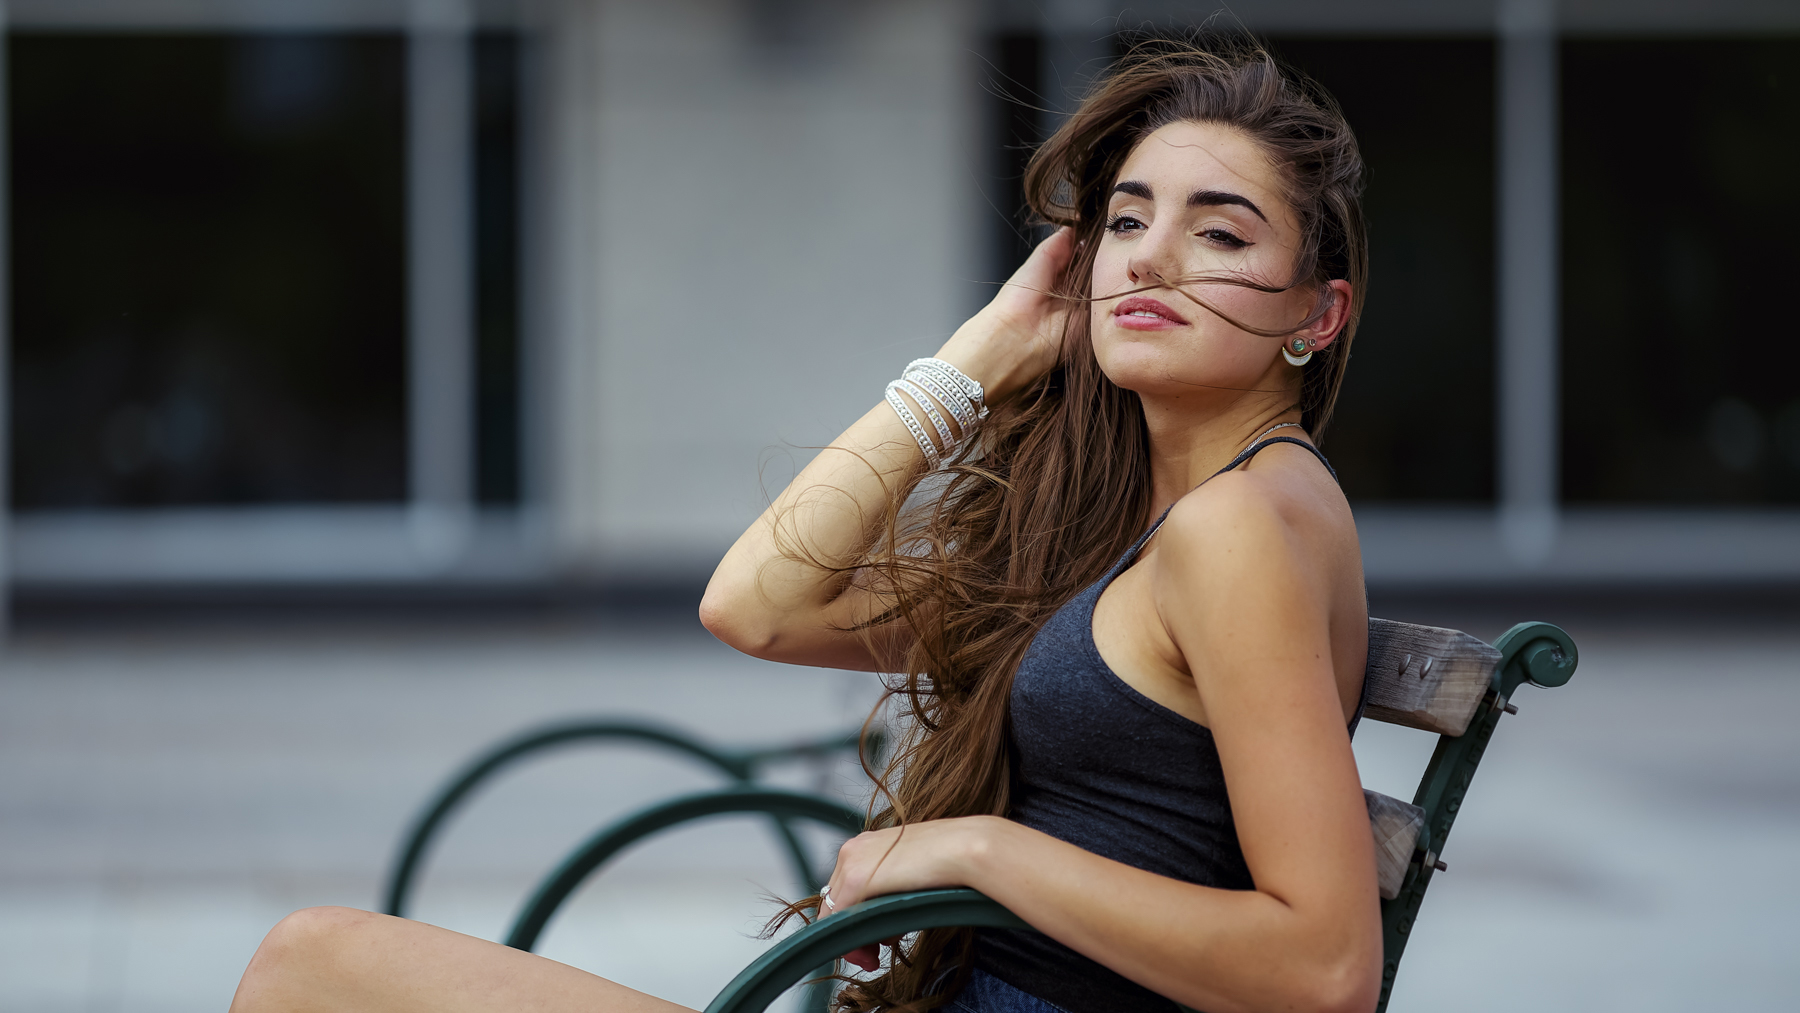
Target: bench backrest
{"x":1422,"y":677}
{"x":1448,"y":682}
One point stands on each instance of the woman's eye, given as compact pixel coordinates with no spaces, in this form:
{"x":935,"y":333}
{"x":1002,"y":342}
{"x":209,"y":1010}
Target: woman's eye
{"x":1123,"y":223}
{"x":1224,"y":238}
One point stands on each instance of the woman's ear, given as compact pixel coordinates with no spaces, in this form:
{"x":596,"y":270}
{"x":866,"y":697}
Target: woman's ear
{"x":1321,"y":334}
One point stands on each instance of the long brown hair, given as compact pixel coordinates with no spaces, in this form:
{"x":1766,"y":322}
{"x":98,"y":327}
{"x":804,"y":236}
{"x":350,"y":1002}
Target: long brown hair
{"x":1057,"y":483}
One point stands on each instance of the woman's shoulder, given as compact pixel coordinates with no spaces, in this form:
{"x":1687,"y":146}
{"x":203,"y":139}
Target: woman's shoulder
{"x":1282,"y":511}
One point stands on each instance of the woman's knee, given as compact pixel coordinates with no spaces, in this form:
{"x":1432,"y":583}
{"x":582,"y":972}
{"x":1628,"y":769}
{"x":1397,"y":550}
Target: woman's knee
{"x":308,"y":942}
{"x":311,"y":930}
{"x":295,"y":955}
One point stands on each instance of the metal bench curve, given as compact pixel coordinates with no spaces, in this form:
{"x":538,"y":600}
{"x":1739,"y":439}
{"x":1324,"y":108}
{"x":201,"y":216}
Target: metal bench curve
{"x":738,"y":766}
{"x":616,"y":837}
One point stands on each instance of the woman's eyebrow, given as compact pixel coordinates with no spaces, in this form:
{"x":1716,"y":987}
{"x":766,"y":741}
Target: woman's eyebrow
{"x":1197,"y":199}
{"x":1214,"y":198}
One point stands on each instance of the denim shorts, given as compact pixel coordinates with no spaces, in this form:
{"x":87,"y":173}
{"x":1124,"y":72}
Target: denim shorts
{"x":987,"y":994}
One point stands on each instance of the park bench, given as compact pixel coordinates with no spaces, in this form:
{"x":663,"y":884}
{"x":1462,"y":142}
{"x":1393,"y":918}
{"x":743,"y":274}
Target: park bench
{"x":1434,"y":679}
{"x":740,"y":767}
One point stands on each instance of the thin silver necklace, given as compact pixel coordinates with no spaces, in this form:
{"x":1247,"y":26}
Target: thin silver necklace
{"x":1271,"y":429}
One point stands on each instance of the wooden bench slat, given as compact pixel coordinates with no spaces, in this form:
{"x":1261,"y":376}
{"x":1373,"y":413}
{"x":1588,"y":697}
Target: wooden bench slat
{"x":1396,"y":825}
{"x":1426,"y":677}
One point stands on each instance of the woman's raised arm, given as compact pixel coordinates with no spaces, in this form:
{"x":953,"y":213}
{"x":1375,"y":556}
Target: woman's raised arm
{"x":770,"y":596}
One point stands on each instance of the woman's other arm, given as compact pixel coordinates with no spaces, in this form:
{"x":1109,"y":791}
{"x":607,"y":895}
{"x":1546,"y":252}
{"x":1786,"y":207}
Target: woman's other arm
{"x":769,"y":598}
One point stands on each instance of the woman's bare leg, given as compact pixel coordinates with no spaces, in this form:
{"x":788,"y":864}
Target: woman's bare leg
{"x":340,"y":960}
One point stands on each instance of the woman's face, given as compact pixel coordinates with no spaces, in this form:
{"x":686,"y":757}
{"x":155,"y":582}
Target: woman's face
{"x":1199,"y":199}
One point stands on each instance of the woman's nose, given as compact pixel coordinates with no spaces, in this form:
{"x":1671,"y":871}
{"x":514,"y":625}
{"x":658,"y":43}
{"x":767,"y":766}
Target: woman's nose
{"x":1143,"y":272}
{"x":1156,"y":258}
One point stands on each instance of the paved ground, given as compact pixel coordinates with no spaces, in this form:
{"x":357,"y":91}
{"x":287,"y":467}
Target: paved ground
{"x":166,"y":797}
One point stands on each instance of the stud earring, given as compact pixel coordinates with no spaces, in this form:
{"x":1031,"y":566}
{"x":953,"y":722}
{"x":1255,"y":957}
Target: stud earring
{"x":1297,"y":352}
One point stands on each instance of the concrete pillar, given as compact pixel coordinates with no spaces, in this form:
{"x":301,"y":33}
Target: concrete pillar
{"x":1528,"y":262}
{"x":758,"y":225}
{"x":440,"y":278}
{"x":560,"y":284}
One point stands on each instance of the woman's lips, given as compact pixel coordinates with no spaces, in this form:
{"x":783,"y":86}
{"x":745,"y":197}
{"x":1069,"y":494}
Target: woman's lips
{"x":1140,"y":314}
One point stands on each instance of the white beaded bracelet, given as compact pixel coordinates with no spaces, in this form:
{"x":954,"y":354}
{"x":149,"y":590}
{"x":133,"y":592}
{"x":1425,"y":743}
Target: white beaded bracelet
{"x":932,"y":383}
{"x":923,"y":398}
{"x":957,"y":404}
{"x":912,"y":425}
{"x":970,"y":388}
{"x":951,"y":390}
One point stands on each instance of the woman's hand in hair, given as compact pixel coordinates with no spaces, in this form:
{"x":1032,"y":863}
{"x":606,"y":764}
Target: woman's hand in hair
{"x":787,"y":590}
{"x":919,"y":856}
{"x":1016,"y":338}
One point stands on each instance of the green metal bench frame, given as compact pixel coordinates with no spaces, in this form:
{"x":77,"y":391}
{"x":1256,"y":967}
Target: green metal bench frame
{"x":740,"y":767}
{"x":609,"y":841}
{"x":1536,"y":653}
{"x":781,"y":806}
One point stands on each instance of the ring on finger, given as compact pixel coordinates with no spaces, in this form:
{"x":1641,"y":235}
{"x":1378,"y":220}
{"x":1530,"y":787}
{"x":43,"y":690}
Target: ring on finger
{"x":825,"y":899}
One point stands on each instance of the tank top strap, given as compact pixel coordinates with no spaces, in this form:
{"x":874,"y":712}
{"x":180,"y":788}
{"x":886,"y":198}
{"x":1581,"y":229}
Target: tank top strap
{"x":1236,"y":462}
{"x":1254,"y":448}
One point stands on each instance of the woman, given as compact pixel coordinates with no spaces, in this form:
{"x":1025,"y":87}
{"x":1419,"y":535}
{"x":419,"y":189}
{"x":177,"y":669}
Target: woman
{"x":1120,"y":584}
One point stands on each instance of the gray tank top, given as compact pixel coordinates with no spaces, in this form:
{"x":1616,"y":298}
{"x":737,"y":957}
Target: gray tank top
{"x":1107,"y":769}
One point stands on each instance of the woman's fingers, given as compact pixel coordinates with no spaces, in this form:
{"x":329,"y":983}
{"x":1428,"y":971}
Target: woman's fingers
{"x":874,"y":863}
{"x":849,"y":881}
{"x":1055,"y":250}
{"x":1016,"y":337}
{"x":869,"y":957}
{"x":1037,"y":276}
{"x":866,"y":957}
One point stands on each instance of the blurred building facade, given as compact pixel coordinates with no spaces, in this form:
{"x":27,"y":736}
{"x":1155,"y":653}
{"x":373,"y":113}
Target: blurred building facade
{"x":444,"y":293}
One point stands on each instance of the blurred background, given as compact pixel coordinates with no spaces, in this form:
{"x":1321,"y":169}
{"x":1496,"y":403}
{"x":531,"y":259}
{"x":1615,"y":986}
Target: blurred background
{"x":385,"y":377}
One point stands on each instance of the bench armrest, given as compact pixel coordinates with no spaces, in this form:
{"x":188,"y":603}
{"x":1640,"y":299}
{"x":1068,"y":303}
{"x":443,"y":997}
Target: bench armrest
{"x":872,"y":921}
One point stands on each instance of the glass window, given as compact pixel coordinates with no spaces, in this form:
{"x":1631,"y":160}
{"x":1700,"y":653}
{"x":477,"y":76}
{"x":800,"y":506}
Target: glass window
{"x":1416,"y":418}
{"x":496,"y":269}
{"x":1013,"y":86}
{"x":1679,"y":216}
{"x":209,"y":268}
